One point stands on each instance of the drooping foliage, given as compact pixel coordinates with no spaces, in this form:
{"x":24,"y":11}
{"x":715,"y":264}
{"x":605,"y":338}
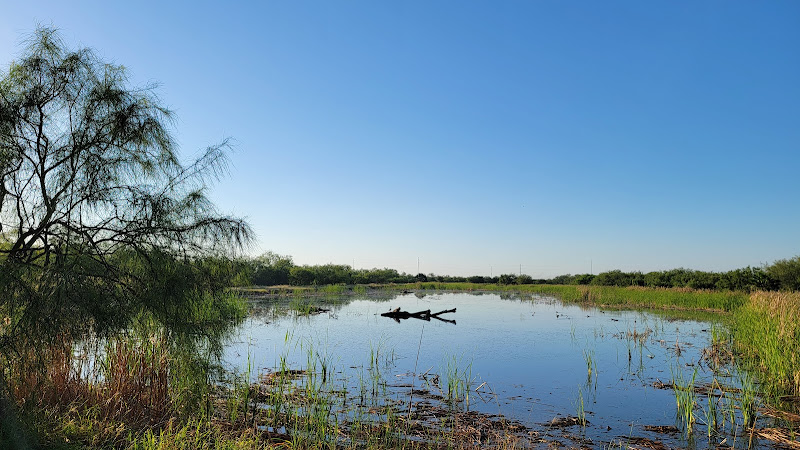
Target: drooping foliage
{"x":99,"y":218}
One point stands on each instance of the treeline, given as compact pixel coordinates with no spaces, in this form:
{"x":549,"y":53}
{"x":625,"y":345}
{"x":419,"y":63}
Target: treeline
{"x":746,"y":279}
{"x":272,"y":269}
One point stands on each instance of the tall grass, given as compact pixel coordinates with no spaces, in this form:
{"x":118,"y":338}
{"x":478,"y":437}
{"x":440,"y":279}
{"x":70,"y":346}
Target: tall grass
{"x":685,"y":398}
{"x":767,"y":335}
{"x":67,"y":399}
{"x":103,"y":391}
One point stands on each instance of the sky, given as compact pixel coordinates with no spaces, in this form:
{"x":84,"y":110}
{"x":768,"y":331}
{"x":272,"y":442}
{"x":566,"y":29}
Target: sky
{"x":472,"y":137}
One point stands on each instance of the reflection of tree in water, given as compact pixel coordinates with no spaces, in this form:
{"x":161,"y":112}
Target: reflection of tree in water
{"x":276,"y":307}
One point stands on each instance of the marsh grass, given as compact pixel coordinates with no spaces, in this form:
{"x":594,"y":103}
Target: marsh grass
{"x":710,"y":412}
{"x":105,"y":391}
{"x":581,"y":409}
{"x":767,"y":336}
{"x":591,"y":367}
{"x":333,"y":289}
{"x":127,"y":390}
{"x":685,"y":399}
{"x":202,"y":435}
{"x":748,"y":400}
{"x":458,"y":381}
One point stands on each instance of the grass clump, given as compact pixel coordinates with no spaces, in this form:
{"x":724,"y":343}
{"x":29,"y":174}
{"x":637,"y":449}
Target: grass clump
{"x":685,"y":399}
{"x":767,"y":336}
{"x":59,"y":390}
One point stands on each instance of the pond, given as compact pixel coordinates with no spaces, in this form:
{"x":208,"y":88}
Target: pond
{"x":579,"y":376}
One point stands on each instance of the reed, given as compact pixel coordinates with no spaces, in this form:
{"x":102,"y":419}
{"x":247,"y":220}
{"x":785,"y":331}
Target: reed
{"x":685,"y":399}
{"x":581,"y":409}
{"x":334,"y":289}
{"x":767,"y":337}
{"x":591,"y":367}
{"x":458,"y":381}
{"x":748,"y":400}
{"x":711,"y":413}
{"x":126,"y":388}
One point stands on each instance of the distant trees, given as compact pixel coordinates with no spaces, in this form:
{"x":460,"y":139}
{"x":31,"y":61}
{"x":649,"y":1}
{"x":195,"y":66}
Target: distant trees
{"x":749,"y":279}
{"x":524,"y":279}
{"x":273,"y":269}
{"x":786,"y":273}
{"x":332,"y":274}
{"x":380,"y":276}
{"x":746,"y":279}
{"x":301,"y":276}
{"x":583,"y":279}
{"x":618,"y":278}
{"x":326,"y":274}
{"x":507,"y":278}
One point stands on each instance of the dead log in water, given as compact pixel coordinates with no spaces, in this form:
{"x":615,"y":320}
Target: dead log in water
{"x":396,"y":314}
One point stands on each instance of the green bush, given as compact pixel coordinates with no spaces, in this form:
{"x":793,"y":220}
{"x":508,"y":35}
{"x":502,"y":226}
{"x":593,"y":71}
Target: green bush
{"x":786,"y":272}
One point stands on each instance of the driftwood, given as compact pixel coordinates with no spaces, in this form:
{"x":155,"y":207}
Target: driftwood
{"x":396,"y":314}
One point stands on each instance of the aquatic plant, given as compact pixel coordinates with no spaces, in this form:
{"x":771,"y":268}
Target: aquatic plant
{"x":580,"y":409}
{"x":458,"y":381}
{"x":748,"y":400}
{"x":685,"y":398}
{"x":591,"y":367}
{"x":710,"y":412}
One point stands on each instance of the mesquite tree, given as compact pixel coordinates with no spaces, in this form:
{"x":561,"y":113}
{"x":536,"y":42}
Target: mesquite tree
{"x":98,"y":215}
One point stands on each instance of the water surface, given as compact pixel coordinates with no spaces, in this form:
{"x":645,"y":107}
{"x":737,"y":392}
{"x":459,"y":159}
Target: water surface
{"x":534,"y":355}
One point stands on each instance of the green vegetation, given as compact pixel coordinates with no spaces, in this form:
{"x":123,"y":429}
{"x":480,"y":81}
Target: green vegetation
{"x":104,"y":391}
{"x":101,"y":222}
{"x":785,"y":274}
{"x":685,"y":399}
{"x":610,"y":296}
{"x":766,"y":332}
{"x":103,"y":231}
{"x":271,"y":269}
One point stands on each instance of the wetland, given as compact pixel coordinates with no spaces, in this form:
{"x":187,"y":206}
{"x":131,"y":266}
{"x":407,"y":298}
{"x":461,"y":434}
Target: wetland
{"x":509,"y":369}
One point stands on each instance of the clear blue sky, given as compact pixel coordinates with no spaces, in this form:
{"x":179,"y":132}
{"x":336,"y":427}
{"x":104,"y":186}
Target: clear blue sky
{"x":476,"y":136}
